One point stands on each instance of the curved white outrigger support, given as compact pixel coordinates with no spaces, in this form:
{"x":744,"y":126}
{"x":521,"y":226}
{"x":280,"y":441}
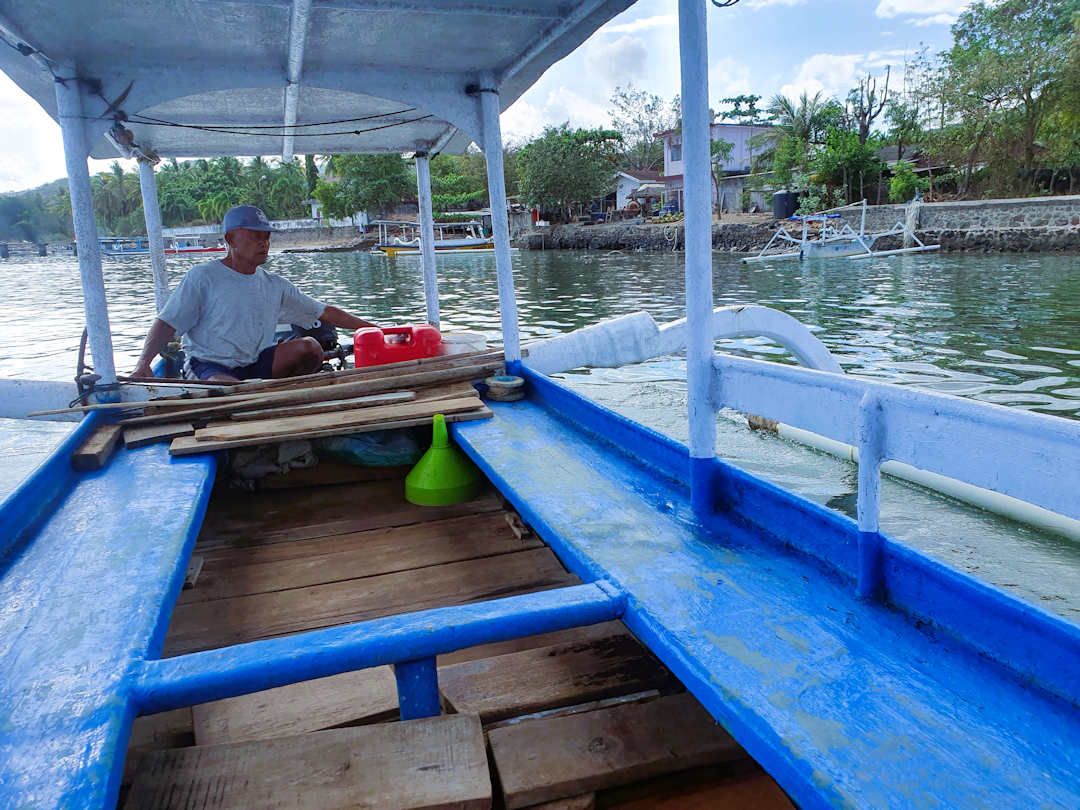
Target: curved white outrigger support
{"x":636,"y":337}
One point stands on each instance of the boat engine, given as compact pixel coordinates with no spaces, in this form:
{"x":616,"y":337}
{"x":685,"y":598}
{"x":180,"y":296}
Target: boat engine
{"x":327,"y":336}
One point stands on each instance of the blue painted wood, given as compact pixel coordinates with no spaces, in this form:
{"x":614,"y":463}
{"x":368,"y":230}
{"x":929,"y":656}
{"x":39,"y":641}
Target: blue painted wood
{"x":215,"y":674}
{"x":82,"y":599}
{"x":29,"y":504}
{"x":418,"y":688}
{"x":845,"y":702}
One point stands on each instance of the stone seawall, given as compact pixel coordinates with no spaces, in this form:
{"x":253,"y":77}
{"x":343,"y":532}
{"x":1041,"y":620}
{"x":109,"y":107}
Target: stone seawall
{"x":1007,"y":226}
{"x":317,"y":237}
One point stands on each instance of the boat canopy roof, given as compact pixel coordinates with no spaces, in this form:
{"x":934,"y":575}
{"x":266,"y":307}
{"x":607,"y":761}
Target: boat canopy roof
{"x":318,"y":76}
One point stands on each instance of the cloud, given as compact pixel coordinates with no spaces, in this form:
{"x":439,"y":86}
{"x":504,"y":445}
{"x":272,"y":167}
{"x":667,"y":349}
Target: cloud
{"x":924,"y":12}
{"x":832,"y":74}
{"x":728,"y":77}
{"x":617,"y":62}
{"x":755,"y":4}
{"x":524,"y":120}
{"x":644,"y":24}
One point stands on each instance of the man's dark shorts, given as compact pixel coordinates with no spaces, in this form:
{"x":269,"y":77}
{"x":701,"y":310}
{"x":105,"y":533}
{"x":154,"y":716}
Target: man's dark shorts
{"x":262,"y":368}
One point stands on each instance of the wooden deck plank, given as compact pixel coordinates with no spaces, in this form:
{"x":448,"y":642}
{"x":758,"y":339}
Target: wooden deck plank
{"x":433,"y":763}
{"x":141,"y":435}
{"x":546,"y":677}
{"x":303,"y":563}
{"x":327,"y":473}
{"x":206,"y":625}
{"x":247,"y":519}
{"x":575,"y":635}
{"x":352,"y":698}
{"x":552,"y":758}
{"x":755,"y":790}
{"x":99,"y":445}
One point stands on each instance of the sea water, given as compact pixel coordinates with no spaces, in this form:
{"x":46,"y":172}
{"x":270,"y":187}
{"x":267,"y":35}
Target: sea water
{"x":998,"y":328}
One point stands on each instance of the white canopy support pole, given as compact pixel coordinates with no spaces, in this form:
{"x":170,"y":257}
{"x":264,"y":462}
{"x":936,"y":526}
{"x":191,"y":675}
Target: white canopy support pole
{"x":152,"y":215}
{"x":298,"y":29}
{"x":72,"y":128}
{"x":693,"y":57}
{"x":500,"y":227}
{"x":427,"y":237}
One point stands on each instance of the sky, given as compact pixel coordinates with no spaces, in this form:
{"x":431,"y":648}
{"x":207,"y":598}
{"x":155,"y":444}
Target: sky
{"x":757,"y":46}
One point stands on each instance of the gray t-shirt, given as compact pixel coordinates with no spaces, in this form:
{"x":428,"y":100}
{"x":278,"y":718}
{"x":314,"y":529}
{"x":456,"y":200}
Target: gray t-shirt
{"x":228,"y":317}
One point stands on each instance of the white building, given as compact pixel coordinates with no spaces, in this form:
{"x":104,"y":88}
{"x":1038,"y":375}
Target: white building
{"x":629,"y":181}
{"x":742,"y":154}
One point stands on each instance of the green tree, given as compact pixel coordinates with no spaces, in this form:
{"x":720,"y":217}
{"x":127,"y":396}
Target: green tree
{"x":905,"y":182}
{"x":565,"y":168}
{"x":1004,"y":69}
{"x":742,"y":110}
{"x":719,"y":154}
{"x":365,"y":183}
{"x":847,"y":163}
{"x":638,"y":116}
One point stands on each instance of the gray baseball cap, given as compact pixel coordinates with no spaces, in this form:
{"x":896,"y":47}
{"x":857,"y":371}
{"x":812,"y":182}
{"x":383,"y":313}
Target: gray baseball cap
{"x":245,"y":216}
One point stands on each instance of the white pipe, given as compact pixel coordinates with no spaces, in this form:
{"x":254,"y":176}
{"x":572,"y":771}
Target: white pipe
{"x":70,"y":113}
{"x":1006,"y":505}
{"x":152,"y":215}
{"x":500,"y":228}
{"x":427,"y":238}
{"x":693,"y":57}
{"x":298,"y":28}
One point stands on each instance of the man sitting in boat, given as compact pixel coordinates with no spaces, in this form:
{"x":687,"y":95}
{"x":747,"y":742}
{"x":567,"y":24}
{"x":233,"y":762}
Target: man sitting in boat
{"x":227,"y":311}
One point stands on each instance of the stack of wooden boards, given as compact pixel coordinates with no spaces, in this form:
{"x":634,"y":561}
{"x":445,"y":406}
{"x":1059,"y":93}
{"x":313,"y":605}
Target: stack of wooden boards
{"x":397,"y":395}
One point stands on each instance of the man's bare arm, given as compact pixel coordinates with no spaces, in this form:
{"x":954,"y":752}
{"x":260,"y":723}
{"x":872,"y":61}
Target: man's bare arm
{"x":341,"y":318}
{"x":156,"y":339}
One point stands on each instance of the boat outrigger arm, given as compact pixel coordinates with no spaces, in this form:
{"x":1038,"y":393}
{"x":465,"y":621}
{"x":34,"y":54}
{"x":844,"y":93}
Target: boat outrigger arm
{"x":833,"y":241}
{"x":857,"y":671}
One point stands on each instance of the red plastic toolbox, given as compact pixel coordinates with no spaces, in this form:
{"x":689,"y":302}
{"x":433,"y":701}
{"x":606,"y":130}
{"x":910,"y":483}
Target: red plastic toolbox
{"x":373,"y":346}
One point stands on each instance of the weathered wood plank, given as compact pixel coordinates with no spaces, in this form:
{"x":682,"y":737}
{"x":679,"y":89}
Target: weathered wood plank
{"x":206,"y":625}
{"x":552,"y":758}
{"x":352,"y":698}
{"x":156,"y":732}
{"x":353,"y":556}
{"x":187,"y":445}
{"x":194,"y":568}
{"x":243,"y":519}
{"x":288,"y":425}
{"x":752,"y":790}
{"x":151,"y":434}
{"x":433,"y":763}
{"x":172,"y":410}
{"x":546,"y":677}
{"x":327,"y":473}
{"x":95,"y":451}
{"x":574,"y":635}
{"x":333,"y":405}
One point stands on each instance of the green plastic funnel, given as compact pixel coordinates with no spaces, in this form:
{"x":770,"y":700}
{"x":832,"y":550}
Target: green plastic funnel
{"x":444,"y":475}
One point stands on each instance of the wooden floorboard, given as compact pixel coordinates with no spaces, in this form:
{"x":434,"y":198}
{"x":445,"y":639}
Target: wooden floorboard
{"x":552,"y":758}
{"x":433,"y":763}
{"x":357,"y":555}
{"x":242,"y":520}
{"x":206,"y":625}
{"x":544,"y":678}
{"x":352,"y":698}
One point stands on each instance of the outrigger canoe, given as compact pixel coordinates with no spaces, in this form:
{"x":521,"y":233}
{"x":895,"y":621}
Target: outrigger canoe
{"x":744,"y":622}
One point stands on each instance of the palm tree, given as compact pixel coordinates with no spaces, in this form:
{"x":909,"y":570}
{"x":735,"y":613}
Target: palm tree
{"x":806,"y":120}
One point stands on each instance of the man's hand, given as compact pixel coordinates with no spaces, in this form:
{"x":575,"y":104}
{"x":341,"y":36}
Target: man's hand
{"x":143,"y":370}
{"x":156,"y":339}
